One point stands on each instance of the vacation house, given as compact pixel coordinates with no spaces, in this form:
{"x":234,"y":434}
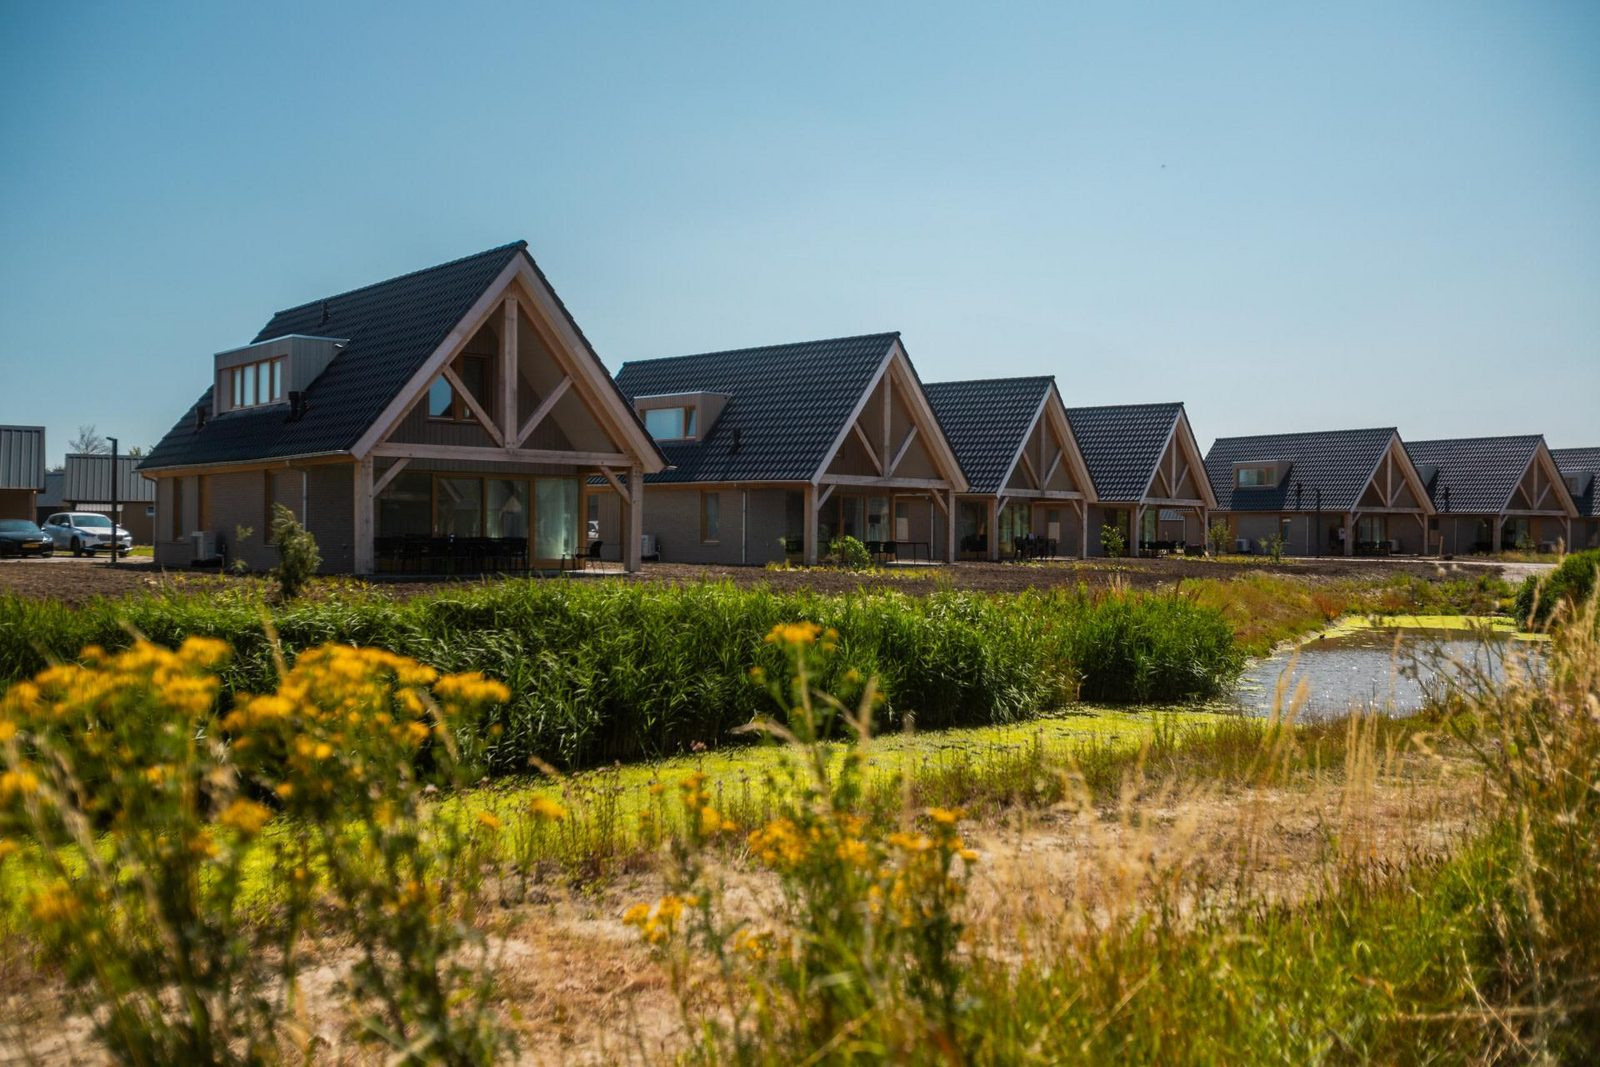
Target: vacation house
{"x":775,"y":451}
{"x":1143,"y":460}
{"x":1338,"y":492}
{"x":21,"y":470}
{"x":1580,"y":469}
{"x":1028,"y":489}
{"x":445,"y":421}
{"x":1494,"y":493}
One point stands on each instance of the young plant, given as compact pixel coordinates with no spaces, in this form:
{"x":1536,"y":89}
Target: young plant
{"x":1219,"y":538}
{"x":849,"y":553}
{"x":1112,"y":540}
{"x":298,"y":558}
{"x":867,"y":934}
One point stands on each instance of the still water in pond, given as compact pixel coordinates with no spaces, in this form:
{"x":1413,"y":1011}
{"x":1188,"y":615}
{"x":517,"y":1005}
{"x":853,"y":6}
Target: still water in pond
{"x":1395,"y":671}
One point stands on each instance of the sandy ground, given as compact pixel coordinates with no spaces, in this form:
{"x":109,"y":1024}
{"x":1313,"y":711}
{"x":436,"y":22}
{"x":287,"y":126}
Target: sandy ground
{"x":72,"y":580}
{"x":581,"y":990}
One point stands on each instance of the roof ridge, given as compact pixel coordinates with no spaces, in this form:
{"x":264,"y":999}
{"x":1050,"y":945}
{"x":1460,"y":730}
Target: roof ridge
{"x":1127,"y":407}
{"x":1306,"y":433}
{"x":1494,"y":437}
{"x":997,"y":381}
{"x":763,"y":348}
{"x":520,"y":246}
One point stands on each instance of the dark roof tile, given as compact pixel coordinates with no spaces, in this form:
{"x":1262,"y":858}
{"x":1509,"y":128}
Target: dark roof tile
{"x":1585,"y":463}
{"x":1121,"y":445}
{"x":787,"y":405}
{"x":987,"y":421}
{"x":1480,"y":472}
{"x":1338,"y":462}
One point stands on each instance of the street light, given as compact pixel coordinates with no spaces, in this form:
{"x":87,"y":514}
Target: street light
{"x":115,"y":513}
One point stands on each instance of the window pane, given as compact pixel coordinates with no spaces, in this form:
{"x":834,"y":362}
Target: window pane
{"x":689,"y":421}
{"x":508,"y":508}
{"x":877,"y":518}
{"x":458,"y":507}
{"x":851,"y":511}
{"x":710,"y":506}
{"x":404,"y":506}
{"x":264,"y":382}
{"x":555,"y":516}
{"x":248,"y":374}
{"x":277,"y":379}
{"x":238,"y":386}
{"x":441,"y":399}
{"x":664,"y":424}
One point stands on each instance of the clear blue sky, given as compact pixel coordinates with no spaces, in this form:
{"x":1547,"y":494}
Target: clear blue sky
{"x":1290,"y":216}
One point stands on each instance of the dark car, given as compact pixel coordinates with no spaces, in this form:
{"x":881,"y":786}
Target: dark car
{"x":19,"y":537}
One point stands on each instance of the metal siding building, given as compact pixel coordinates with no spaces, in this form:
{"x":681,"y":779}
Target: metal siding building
{"x":21,"y":469}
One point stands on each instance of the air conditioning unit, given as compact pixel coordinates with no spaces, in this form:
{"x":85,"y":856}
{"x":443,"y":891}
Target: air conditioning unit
{"x":1241,"y":545}
{"x":648,"y":547}
{"x":1392,"y":546}
{"x":204,"y":543}
{"x":1547,"y":547}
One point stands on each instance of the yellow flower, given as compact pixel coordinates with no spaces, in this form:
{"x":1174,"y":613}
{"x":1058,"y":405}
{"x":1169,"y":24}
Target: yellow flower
{"x":8,"y":730}
{"x":246,"y":816}
{"x":946,"y":816}
{"x":489,"y":819}
{"x":547,"y":810}
{"x":18,"y":783}
{"x":636,"y":915}
{"x":793,"y":633}
{"x":56,"y":903}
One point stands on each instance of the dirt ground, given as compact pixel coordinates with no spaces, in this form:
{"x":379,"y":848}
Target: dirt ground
{"x":73,"y":581}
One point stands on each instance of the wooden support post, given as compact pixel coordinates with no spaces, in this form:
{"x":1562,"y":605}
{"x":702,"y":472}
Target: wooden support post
{"x":1350,"y":533}
{"x":362,"y":551}
{"x":633,"y":526}
{"x":509,"y":373}
{"x":950,"y":528}
{"x":1133,"y":531}
{"x":1497,"y":535}
{"x":1083,"y":529}
{"x":994,"y":529}
{"x":808,"y":526}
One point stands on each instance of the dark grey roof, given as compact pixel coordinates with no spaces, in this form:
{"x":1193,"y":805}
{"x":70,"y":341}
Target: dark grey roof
{"x":1582,"y":461}
{"x":392,"y":327}
{"x":987,"y":420}
{"x":1480,"y":472}
{"x":787,"y":404}
{"x":1339,"y":462}
{"x":1121,"y":445}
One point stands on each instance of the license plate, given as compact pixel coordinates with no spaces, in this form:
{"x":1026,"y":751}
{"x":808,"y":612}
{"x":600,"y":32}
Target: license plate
{"x":33,"y":544}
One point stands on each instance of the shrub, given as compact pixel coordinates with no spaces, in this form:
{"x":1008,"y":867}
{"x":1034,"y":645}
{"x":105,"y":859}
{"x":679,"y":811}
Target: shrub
{"x":613,"y":670}
{"x":298,"y":558}
{"x":1112,"y":541}
{"x":1566,"y":587}
{"x":849,"y":553}
{"x":1272,"y":546}
{"x":138,"y":821}
{"x":1219,"y":538}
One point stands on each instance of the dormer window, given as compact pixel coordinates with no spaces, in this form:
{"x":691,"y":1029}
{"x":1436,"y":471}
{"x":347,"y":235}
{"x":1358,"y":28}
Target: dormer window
{"x":1253,"y":477}
{"x":1576,"y":483}
{"x":253,"y":384}
{"x":670,"y":424}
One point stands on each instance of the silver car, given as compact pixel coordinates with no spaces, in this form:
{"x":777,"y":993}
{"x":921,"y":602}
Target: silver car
{"x":87,"y":532}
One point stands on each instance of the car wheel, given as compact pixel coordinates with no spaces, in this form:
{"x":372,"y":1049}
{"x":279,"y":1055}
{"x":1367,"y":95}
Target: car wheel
{"x":77,"y":548}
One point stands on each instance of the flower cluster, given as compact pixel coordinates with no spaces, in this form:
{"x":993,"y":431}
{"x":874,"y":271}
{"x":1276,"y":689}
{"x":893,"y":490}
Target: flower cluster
{"x":658,"y":922}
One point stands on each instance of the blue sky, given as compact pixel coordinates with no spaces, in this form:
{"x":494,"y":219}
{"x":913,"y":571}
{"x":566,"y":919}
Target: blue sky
{"x":1290,"y":216}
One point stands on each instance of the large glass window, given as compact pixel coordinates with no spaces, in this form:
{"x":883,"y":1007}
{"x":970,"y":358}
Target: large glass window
{"x":458,"y":507}
{"x":555,"y":511}
{"x":669,"y":424}
{"x":852,"y":510}
{"x":878,"y":518}
{"x":441,"y":400}
{"x":508,"y":507}
{"x":255,"y":383}
{"x":1372,"y":528}
{"x":405,"y":507}
{"x":1254,"y":476}
{"x":710,"y":517}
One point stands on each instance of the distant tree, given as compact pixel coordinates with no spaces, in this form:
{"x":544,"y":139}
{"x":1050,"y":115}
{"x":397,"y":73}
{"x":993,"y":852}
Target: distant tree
{"x":136,"y":452}
{"x":88,"y":441}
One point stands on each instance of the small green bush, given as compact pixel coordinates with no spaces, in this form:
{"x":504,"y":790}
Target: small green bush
{"x":1571,"y":583}
{"x":1112,"y":542}
{"x":298,"y":558}
{"x":1219,"y":538}
{"x":849,"y":553}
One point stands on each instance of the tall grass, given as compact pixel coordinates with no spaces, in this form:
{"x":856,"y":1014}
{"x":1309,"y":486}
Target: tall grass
{"x":606,"y":671}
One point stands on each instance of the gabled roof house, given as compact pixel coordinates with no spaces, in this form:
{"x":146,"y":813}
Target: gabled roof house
{"x":445,"y":420}
{"x":1580,"y":469}
{"x":1335,"y":492}
{"x":22,"y":470}
{"x":774,"y":451}
{"x":1144,"y":460}
{"x":1495,"y":492}
{"x":1028,"y":490}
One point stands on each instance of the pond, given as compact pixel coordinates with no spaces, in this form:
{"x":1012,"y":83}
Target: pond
{"x":1394,"y":669}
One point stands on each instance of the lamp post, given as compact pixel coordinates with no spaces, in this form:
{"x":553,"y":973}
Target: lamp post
{"x":116,"y":515}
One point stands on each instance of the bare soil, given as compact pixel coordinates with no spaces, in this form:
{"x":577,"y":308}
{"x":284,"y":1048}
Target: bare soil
{"x":74,"y":581}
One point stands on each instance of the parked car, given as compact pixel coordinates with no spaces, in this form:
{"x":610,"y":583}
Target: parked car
{"x":87,"y":532}
{"x":19,"y":537}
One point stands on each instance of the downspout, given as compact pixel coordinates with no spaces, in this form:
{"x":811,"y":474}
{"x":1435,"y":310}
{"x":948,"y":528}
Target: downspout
{"x":744,"y":526}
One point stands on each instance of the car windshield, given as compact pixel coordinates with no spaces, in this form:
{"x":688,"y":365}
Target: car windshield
{"x":17,"y":526}
{"x":92,"y":522}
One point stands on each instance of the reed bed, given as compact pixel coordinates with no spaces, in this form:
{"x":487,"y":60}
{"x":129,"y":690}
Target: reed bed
{"x":623,"y":671}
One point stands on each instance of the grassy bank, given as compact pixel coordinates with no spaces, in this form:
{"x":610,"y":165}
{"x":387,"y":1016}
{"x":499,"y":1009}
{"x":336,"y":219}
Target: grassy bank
{"x":605,"y":671}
